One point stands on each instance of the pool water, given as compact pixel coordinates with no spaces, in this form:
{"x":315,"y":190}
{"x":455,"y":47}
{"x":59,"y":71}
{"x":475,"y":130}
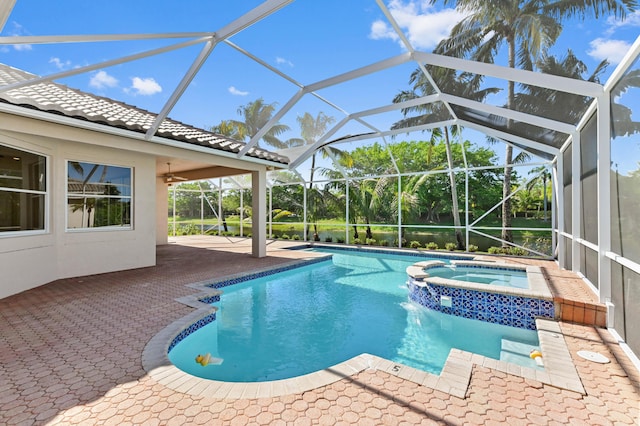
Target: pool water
{"x":481,"y":275}
{"x":310,"y":318}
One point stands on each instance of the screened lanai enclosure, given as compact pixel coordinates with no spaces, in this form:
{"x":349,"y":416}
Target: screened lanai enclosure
{"x":468,"y":137}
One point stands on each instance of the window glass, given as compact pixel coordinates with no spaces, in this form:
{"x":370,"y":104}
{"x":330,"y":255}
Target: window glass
{"x":98,"y":195}
{"x":22,"y":190}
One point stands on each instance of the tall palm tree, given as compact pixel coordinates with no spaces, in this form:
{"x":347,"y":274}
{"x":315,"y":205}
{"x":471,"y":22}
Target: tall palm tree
{"x":229,"y":129}
{"x":463,"y":84}
{"x":529,"y":28}
{"x":311,"y":129}
{"x":256,"y":115}
{"x":544,"y":175}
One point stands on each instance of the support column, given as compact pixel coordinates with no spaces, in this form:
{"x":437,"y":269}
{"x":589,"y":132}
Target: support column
{"x":162,"y":220}
{"x":557,"y":210}
{"x":258,"y":217}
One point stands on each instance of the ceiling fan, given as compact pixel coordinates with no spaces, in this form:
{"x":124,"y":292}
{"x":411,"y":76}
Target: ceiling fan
{"x":170,"y":177}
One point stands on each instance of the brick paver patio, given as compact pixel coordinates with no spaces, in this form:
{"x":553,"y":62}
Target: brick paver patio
{"x":70,"y":353}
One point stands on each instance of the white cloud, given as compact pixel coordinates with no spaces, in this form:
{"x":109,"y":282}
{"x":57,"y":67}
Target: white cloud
{"x":237,"y":92}
{"x":102,"y":80}
{"x":381,"y":30}
{"x":59,"y":63}
{"x":632,"y":20}
{"x":611,"y":50}
{"x":283,"y":61}
{"x":22,"y":47}
{"x":144,"y":86}
{"x":423,"y":25}
{"x":18,"y":30}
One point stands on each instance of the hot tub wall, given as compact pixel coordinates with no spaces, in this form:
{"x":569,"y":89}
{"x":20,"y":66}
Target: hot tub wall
{"x":511,"y":310}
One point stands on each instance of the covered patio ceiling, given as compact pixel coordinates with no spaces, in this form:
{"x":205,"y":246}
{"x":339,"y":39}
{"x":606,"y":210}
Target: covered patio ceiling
{"x":540,"y":134}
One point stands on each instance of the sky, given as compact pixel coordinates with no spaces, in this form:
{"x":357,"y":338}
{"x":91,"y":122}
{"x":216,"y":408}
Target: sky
{"x":308,"y":40}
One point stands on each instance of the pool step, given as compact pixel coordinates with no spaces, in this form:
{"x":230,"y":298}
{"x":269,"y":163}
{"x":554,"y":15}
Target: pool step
{"x":517,"y":353}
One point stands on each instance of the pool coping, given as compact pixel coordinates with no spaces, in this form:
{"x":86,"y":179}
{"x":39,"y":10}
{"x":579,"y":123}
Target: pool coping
{"x":559,"y":369}
{"x":538,"y":287}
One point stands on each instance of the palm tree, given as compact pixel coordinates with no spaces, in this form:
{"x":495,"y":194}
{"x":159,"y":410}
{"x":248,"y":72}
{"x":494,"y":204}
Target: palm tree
{"x":229,"y":129}
{"x":544,"y":174}
{"x":463,"y":84}
{"x":529,"y":28}
{"x":256,"y":115}
{"x":311,"y":129}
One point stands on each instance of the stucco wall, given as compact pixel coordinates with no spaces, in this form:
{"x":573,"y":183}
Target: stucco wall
{"x":30,"y":261}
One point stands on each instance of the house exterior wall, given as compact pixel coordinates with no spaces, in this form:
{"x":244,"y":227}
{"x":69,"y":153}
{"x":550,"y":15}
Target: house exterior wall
{"x":27,"y":261}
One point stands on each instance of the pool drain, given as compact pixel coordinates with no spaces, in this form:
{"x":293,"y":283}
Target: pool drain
{"x":594,"y":357}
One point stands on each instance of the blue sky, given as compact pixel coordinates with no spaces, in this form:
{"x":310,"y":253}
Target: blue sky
{"x":308,"y":40}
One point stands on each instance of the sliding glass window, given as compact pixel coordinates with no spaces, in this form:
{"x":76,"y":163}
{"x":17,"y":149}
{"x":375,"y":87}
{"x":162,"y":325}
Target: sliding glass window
{"x":98,"y":196}
{"x":23,"y":191}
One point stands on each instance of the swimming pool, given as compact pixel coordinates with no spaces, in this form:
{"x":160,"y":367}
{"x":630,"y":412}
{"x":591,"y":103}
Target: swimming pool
{"x":309,"y":318}
{"x":481,"y":275}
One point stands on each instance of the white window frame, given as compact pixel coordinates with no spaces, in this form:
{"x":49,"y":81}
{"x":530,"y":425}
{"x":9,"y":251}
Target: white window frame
{"x":111,"y":228}
{"x":46,"y":192}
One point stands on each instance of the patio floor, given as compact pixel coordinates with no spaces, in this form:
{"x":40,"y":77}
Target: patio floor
{"x":70,"y":353}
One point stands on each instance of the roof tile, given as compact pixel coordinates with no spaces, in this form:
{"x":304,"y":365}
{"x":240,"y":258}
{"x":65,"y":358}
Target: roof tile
{"x":59,"y":99}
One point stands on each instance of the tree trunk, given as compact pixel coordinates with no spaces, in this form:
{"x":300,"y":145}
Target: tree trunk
{"x":355,"y":232}
{"x":455,"y":212}
{"x":306,"y":230}
{"x":507,"y":235}
{"x":369,"y":234}
{"x":544,"y":194}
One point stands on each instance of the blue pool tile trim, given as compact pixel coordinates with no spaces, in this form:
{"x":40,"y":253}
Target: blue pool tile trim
{"x":505,"y":309}
{"x":210,"y":299}
{"x":244,"y":278}
{"x":487,"y":266}
{"x":192,"y":328}
{"x":427,"y":255}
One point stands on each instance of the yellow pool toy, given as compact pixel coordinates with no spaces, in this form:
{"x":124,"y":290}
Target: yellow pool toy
{"x":535,"y":354}
{"x":203,"y":359}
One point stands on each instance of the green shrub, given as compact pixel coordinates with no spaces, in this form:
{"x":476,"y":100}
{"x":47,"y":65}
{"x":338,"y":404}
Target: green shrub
{"x":495,"y":250}
{"x":328,"y":239}
{"x":370,"y":241}
{"x":340,"y":240}
{"x":384,"y":243}
{"x":295,"y":237}
{"x":357,"y":241}
{"x":285,"y":236}
{"x":432,"y":246}
{"x":450,"y":246}
{"x":472,"y":248}
{"x":415,"y":244}
{"x":404,"y":243}
{"x":189,"y":229}
{"x":275,"y":236}
{"x":517,"y":251}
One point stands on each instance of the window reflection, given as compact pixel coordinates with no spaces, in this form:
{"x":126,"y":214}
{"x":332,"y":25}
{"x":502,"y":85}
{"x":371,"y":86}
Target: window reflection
{"x":98,"y":195}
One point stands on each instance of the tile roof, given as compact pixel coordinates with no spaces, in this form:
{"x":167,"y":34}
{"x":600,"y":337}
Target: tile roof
{"x":62,"y":100}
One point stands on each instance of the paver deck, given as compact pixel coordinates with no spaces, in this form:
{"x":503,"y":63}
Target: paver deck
{"x":70,"y":353}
